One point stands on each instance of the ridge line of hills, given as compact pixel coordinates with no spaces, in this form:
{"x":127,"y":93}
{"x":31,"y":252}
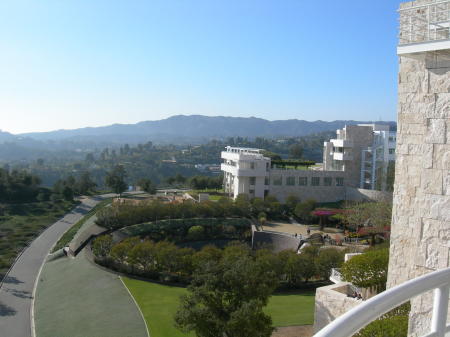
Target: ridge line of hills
{"x":192,"y":128}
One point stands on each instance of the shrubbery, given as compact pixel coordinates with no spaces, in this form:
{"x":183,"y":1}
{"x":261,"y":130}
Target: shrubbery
{"x":368,"y":270}
{"x":122,"y":215}
{"x":165,"y":261}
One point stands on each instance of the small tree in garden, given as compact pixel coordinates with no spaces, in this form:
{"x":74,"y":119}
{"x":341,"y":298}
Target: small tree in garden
{"x":303,"y":210}
{"x":227,"y":298}
{"x":375,"y":215}
{"x":368,"y":270}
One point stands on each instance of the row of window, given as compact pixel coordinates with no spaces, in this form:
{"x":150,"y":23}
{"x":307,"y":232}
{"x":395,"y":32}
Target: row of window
{"x":303,"y":181}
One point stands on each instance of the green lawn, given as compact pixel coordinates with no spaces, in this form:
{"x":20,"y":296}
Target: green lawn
{"x":21,"y":223}
{"x":295,"y":308}
{"x":160,"y":302}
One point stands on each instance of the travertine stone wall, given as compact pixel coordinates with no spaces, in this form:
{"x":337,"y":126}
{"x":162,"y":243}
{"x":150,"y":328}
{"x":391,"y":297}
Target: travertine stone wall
{"x":420,"y":238}
{"x":330,"y":303}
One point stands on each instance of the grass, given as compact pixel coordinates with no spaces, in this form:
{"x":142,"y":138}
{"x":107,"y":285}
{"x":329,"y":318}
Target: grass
{"x":21,"y":223}
{"x":294,"y":308}
{"x":159,"y":303}
{"x":70,"y":234}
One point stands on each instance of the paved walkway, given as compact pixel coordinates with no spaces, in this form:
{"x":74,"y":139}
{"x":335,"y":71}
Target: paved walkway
{"x":74,"y":298}
{"x":17,"y":290}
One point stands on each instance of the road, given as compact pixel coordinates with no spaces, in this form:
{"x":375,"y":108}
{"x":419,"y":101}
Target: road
{"x":17,"y":290}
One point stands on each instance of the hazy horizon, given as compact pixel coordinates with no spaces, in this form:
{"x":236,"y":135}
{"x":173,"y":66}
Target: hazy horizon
{"x":68,"y":65}
{"x":95,"y":126}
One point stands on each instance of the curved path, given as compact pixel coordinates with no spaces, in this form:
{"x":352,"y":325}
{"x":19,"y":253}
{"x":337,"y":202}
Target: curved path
{"x":17,"y":290}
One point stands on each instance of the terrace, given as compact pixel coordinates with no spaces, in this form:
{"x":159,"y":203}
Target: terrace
{"x":424,"y":27}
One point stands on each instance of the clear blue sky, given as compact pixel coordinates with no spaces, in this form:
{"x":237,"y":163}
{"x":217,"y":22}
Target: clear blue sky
{"x":75,"y":63}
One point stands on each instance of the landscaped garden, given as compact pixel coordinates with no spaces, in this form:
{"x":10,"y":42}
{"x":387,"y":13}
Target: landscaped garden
{"x":159,"y":304}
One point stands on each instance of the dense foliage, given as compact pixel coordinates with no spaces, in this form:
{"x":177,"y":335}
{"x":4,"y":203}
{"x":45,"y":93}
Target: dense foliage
{"x":19,"y":186}
{"x":153,"y":161}
{"x":227,"y":296}
{"x":194,"y":229}
{"x":368,"y":270}
{"x":391,"y":324}
{"x":165,"y":261}
{"x":122,"y":215}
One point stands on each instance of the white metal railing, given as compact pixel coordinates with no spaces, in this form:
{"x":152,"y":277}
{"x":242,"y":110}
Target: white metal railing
{"x":368,"y":311}
{"x":336,"y":275}
{"x":425,"y":23}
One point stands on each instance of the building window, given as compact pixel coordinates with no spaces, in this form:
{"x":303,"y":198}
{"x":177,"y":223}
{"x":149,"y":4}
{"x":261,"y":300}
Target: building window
{"x":339,"y":181}
{"x":252,"y":180}
{"x":315,"y":181}
{"x":327,"y":181}
{"x":252,"y":166}
{"x":391,"y":151}
{"x":303,"y":181}
{"x":392,"y":139}
{"x":278,"y":181}
{"x":290,"y":181}
{"x":266,"y":181}
{"x":251,"y":192}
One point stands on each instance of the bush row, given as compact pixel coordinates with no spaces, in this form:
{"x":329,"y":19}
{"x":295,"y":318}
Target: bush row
{"x":166,"y":262}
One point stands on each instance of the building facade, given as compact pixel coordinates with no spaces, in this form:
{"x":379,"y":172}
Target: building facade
{"x":420,"y":232}
{"x":365,"y":151}
{"x":358,"y":158}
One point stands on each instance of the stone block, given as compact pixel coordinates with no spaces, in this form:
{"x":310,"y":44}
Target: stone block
{"x":432,"y":181}
{"x":446,"y":182}
{"x":441,"y":156}
{"x":442,"y":107}
{"x":439,"y":82}
{"x":401,"y":149}
{"x":436,"y":131}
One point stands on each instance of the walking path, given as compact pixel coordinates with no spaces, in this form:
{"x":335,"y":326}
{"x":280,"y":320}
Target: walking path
{"x":16,"y":294}
{"x":17,"y":291}
{"x":74,"y":298}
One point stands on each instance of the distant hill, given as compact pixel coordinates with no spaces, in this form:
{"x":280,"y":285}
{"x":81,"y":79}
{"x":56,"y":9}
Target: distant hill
{"x":194,"y":128}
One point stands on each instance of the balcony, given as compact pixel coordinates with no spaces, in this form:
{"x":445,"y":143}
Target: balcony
{"x":368,"y":311}
{"x":341,"y":142}
{"x":342,"y":156}
{"x":424,"y":27}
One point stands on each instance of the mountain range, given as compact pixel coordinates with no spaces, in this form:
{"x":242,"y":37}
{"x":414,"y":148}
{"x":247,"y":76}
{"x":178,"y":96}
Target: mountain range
{"x":184,"y":129}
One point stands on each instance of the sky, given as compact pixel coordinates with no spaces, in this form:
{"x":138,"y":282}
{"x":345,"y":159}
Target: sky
{"x":67,"y":64}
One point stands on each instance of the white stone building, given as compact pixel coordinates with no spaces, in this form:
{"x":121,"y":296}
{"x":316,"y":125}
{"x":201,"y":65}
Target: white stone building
{"x":365,"y":151}
{"x":357,"y":159}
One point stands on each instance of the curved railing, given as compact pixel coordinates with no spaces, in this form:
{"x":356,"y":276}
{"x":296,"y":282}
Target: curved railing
{"x":357,"y":318}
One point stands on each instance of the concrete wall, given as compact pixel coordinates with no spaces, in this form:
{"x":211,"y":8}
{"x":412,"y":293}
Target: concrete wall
{"x":319,"y":193}
{"x":274,"y":240}
{"x":330,"y":303}
{"x":420,"y":237}
{"x":360,"y":194}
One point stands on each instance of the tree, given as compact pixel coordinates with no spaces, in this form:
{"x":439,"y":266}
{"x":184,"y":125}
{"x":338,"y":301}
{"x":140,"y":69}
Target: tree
{"x":116,"y":180}
{"x":368,"y":270}
{"x":227,"y":298}
{"x":303,"y":210}
{"x":85,"y":184}
{"x":67,"y":193}
{"x":147,"y":185}
{"x":296,"y":151}
{"x":376,"y":216}
{"x":326,"y":260}
{"x":291,"y":202}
